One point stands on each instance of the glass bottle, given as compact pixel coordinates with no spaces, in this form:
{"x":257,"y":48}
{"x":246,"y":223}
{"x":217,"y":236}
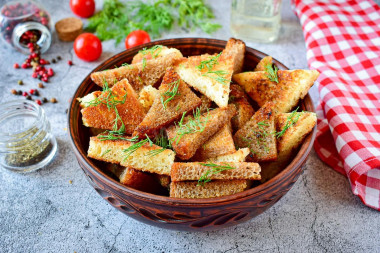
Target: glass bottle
{"x":256,"y":20}
{"x":22,"y":22}
{"x":26,"y":142}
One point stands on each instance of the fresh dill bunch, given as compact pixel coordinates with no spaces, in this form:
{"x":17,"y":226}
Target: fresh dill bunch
{"x":272,"y":72}
{"x":170,"y":93}
{"x":193,"y":125}
{"x":215,"y":169}
{"x":290,"y":121}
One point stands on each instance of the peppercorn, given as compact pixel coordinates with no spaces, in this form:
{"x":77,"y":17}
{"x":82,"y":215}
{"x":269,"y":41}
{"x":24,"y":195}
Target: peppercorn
{"x":28,"y":97}
{"x":53,"y":60}
{"x":16,"y":66}
{"x":14,"y":92}
{"x":20,"y":82}
{"x":59,"y":58}
{"x":25,"y":94}
{"x":36,"y":93}
{"x":19,"y":92}
{"x":70,"y":63}
{"x":38,"y":102}
{"x":53,"y":100}
{"x":45,"y":100}
{"x":40,"y":85}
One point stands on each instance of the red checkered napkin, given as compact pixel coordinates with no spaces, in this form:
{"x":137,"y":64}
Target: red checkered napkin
{"x":343,"y":44}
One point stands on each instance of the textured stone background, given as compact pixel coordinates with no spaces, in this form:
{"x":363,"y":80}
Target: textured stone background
{"x":43,"y":212}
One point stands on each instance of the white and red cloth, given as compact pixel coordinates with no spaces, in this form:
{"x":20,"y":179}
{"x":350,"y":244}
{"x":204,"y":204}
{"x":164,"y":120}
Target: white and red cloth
{"x":343,"y":43}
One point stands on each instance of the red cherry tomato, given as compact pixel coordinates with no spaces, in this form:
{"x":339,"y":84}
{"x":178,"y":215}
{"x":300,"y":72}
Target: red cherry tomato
{"x":88,"y":47}
{"x":83,"y":8}
{"x":136,"y":38}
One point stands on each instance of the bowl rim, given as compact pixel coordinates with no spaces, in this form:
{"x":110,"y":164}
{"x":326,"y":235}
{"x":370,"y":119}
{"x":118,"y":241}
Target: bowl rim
{"x":159,"y":199}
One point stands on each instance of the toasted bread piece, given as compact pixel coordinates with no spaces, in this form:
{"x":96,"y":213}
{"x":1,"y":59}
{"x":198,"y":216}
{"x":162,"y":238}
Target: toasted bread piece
{"x":215,"y":87}
{"x":139,"y":74}
{"x":235,"y":49}
{"x":86,"y":100}
{"x":258,"y":134}
{"x":245,"y":111}
{"x":219,"y":144}
{"x":205,"y":105}
{"x":186,"y":140}
{"x":147,"y":96}
{"x":113,"y":151}
{"x":131,"y":111}
{"x":267,"y":60}
{"x":211,"y":189}
{"x":139,"y":180}
{"x":197,"y":170}
{"x":155,"y":52}
{"x":289,"y":141}
{"x":163,"y":180}
{"x":160,"y":115}
{"x":238,"y":156}
{"x":293,"y":85}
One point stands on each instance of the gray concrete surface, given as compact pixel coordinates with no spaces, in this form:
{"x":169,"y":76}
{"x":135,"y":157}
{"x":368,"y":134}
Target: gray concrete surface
{"x":44,"y":212}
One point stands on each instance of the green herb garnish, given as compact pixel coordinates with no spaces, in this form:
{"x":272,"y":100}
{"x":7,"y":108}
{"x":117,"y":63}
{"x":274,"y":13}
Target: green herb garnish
{"x":117,"y":19}
{"x":217,"y":75}
{"x":193,"y":125}
{"x":162,"y":141}
{"x":115,"y":135}
{"x":105,"y":152}
{"x":210,"y":63}
{"x":215,"y":169}
{"x":170,"y":93}
{"x":290,"y":121}
{"x":272,"y":72}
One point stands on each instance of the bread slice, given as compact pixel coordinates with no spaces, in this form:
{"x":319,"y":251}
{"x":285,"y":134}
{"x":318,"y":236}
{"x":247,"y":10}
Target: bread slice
{"x":245,"y":111}
{"x":114,"y":151}
{"x":258,"y":134}
{"x":147,"y":96}
{"x":238,"y":156}
{"x":235,"y":50}
{"x":163,"y":180}
{"x":139,"y":74}
{"x":205,"y":79}
{"x":88,"y":99}
{"x":191,"y":132}
{"x":293,"y":85}
{"x":297,"y":126}
{"x":212,"y":189}
{"x":196,"y":171}
{"x":219,"y":144}
{"x":162,"y":113}
{"x":100,"y":116}
{"x":155,"y":52}
{"x":267,"y":60}
{"x":206,"y":104}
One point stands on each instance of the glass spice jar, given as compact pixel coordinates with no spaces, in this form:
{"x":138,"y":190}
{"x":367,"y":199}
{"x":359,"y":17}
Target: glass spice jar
{"x":26,"y":142}
{"x":23,"y":22}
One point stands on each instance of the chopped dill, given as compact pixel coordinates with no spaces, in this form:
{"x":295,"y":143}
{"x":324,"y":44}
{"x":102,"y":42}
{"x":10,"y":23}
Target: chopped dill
{"x":272,"y":72}
{"x":162,"y":141}
{"x":170,"y":93}
{"x":215,"y":169}
{"x":105,"y":152}
{"x":153,"y":51}
{"x":218,"y":75}
{"x":210,"y":63}
{"x":290,"y":121}
{"x":143,"y":64}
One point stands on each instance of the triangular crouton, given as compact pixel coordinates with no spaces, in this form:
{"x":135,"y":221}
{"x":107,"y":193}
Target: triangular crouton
{"x":191,"y":132}
{"x":239,"y":156}
{"x":147,"y":96}
{"x":245,"y":111}
{"x":235,"y":50}
{"x":155,"y":52}
{"x":292,"y":128}
{"x":213,"y":189}
{"x":98,"y":115}
{"x":116,"y":151}
{"x":293,"y":85}
{"x":219,"y":144}
{"x":267,"y":60}
{"x":258,"y":134}
{"x":222,"y":171}
{"x":208,"y":74}
{"x":139,"y":74}
{"x":175,"y":99}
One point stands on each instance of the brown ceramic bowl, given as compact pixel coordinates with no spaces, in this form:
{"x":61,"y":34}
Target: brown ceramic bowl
{"x":175,"y":213}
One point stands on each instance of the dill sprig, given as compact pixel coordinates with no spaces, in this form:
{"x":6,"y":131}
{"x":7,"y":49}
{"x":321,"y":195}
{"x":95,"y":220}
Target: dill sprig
{"x":290,"y":121}
{"x":215,"y":169}
{"x":143,"y":64}
{"x":106,"y":152}
{"x":210,"y":63}
{"x":109,"y":99}
{"x":272,"y":72}
{"x":153,"y":51}
{"x":115,"y":135}
{"x":218,"y":75}
{"x":194,"y":124}
{"x":170,"y":93}
{"x":162,"y":141}
{"x":133,"y":148}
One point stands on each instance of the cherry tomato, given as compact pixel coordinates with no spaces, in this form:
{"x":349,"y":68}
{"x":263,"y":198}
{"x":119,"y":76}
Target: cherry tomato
{"x":83,"y":8}
{"x":88,"y":47}
{"x":136,"y":38}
